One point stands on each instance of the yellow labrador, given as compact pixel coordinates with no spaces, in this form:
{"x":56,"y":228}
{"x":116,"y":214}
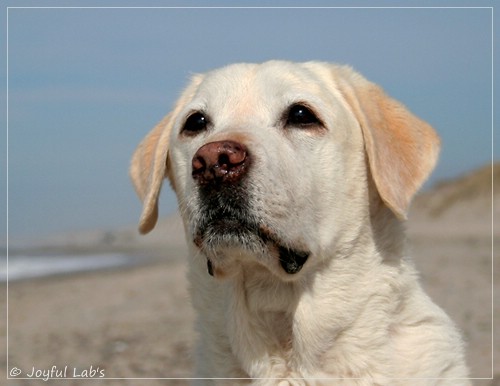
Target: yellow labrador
{"x":293,"y":181}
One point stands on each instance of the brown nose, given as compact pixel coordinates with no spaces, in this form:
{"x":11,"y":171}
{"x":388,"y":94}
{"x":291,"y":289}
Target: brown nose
{"x":220,"y":162}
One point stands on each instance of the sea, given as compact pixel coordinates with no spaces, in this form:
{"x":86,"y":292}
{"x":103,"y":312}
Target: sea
{"x":20,"y":267}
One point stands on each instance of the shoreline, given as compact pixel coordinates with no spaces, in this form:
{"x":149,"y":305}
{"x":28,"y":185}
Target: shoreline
{"x":25,"y":267}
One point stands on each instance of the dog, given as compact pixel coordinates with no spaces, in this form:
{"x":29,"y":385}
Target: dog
{"x":293,"y":182}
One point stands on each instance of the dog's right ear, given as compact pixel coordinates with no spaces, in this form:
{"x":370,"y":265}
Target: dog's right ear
{"x":148,"y":169}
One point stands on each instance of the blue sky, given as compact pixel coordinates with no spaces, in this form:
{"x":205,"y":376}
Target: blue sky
{"x":85,"y":85}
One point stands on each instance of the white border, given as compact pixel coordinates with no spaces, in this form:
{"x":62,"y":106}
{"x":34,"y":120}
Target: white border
{"x":492,"y":192}
{"x":248,"y":7}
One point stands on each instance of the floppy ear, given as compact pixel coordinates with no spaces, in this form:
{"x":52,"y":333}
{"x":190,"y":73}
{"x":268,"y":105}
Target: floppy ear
{"x":148,"y":169}
{"x":402,"y":150}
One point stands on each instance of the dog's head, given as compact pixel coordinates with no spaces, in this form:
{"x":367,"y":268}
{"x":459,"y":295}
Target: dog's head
{"x":272,"y":163}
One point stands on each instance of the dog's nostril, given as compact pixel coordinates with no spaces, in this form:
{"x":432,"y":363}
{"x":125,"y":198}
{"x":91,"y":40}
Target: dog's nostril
{"x":224,"y":161}
{"x":199,"y":164}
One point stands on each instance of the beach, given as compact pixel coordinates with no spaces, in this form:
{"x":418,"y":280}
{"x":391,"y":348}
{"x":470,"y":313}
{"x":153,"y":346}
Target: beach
{"x":124,"y":324}
{"x":132,"y":323}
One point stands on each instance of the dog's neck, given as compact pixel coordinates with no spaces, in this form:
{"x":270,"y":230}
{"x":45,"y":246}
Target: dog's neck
{"x":270,"y":306}
{"x":388,"y":232}
{"x":282,"y":325}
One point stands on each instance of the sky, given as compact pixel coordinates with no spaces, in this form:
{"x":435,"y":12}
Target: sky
{"x":86,"y":85}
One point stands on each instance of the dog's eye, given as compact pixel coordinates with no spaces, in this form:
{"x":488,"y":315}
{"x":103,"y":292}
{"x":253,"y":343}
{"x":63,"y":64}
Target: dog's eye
{"x":195,"y":123}
{"x":300,"y":115}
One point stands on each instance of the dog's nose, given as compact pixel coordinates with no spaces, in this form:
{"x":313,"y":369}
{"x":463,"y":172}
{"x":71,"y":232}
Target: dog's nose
{"x":220,"y":162}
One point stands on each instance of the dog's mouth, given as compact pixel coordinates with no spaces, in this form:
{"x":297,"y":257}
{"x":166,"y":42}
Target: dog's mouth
{"x":233,"y":232}
{"x":292,"y":260}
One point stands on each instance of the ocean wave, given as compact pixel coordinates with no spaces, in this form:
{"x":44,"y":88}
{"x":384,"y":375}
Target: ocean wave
{"x":20,"y":267}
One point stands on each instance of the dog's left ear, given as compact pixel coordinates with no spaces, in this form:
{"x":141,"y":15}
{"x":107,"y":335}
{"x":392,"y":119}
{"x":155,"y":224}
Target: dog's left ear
{"x":402,"y":150}
{"x":148,"y":169}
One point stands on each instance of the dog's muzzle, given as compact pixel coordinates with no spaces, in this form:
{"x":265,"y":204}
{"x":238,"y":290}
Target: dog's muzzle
{"x":219,"y":169}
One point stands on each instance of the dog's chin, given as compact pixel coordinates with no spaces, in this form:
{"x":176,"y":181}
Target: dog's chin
{"x":218,"y":237}
{"x":229,"y":243}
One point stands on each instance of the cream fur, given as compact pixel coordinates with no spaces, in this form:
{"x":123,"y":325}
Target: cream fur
{"x":355,"y":314}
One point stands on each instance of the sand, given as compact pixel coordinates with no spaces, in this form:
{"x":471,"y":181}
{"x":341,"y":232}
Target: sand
{"x":137,"y":322}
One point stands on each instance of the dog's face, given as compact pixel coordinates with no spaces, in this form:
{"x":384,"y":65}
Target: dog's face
{"x":272,"y":163}
{"x":260,"y":158}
